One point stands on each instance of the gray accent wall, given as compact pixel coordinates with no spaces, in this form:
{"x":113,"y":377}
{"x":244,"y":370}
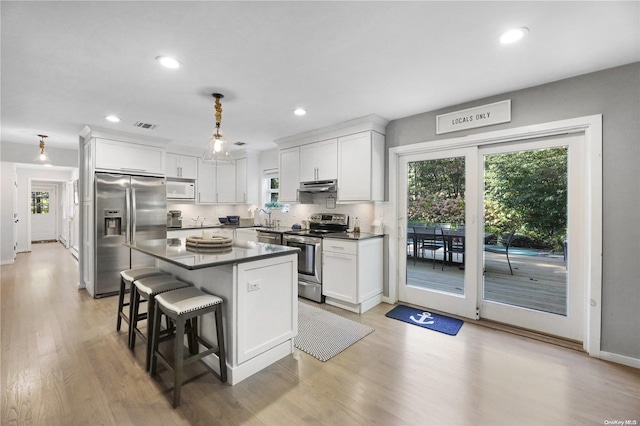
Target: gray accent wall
{"x":614,"y":93}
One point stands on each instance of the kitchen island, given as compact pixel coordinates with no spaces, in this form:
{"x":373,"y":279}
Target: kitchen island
{"x":259,"y":286}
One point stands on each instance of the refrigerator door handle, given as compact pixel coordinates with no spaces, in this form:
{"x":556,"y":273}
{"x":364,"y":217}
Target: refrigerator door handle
{"x":134,"y":208}
{"x":127,"y":197}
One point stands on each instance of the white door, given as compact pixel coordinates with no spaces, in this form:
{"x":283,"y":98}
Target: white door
{"x":458,"y":212}
{"x":43,"y":213}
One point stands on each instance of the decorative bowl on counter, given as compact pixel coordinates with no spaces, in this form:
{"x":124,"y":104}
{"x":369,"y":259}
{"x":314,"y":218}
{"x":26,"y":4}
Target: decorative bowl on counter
{"x":233,"y":219}
{"x":222,"y":219}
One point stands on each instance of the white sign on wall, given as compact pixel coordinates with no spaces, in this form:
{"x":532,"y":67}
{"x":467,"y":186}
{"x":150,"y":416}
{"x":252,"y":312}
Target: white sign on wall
{"x":486,"y":115}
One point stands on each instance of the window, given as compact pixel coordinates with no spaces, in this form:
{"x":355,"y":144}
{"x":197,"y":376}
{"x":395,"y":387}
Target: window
{"x":39,"y":202}
{"x":271,"y":185}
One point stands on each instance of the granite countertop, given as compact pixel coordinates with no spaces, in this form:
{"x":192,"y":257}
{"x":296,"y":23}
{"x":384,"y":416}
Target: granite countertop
{"x":174,"y":250}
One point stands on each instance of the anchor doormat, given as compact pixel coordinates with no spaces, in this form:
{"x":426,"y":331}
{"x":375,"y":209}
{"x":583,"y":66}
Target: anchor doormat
{"x":426,"y":319}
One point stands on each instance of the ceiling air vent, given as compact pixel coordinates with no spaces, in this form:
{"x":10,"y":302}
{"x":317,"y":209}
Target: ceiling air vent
{"x":142,"y":125}
{"x":239,"y":143}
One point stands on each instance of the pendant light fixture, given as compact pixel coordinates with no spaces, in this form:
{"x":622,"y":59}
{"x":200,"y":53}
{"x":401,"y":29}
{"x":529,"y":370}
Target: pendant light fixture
{"x":217,"y":151}
{"x":42,"y":157}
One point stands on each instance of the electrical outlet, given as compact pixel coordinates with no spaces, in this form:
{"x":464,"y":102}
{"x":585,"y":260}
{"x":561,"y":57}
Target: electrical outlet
{"x":254,"y":285}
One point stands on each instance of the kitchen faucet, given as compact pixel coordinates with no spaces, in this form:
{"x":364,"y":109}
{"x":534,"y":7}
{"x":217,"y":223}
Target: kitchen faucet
{"x":269,"y":224}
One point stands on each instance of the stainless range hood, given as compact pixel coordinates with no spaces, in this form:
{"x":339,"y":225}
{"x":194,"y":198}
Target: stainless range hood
{"x":318,"y":186}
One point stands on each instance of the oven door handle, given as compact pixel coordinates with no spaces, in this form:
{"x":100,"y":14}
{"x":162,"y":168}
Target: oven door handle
{"x":296,"y":239}
{"x":303,"y":240}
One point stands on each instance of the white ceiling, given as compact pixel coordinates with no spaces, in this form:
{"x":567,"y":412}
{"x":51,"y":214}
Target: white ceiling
{"x":70,"y":64}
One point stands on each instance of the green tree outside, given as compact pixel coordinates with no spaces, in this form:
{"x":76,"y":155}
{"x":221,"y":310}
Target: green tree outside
{"x":526,"y":191}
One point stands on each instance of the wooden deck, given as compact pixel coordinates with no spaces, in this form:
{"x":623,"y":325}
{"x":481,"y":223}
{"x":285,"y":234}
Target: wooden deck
{"x":538,"y":282}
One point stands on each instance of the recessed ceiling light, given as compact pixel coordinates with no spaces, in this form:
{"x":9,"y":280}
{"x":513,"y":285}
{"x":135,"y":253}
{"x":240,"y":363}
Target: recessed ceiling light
{"x":168,"y":62}
{"x":112,"y":118}
{"x":513,"y":35}
{"x":299,"y":111}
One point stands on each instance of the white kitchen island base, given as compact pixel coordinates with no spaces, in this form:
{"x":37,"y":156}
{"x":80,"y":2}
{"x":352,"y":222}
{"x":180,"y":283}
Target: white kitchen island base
{"x":259,"y":289}
{"x":260,"y":310}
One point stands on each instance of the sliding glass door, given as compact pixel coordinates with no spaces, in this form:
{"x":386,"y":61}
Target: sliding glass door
{"x":531,"y":197}
{"x":488,"y":231}
{"x":438,"y":230}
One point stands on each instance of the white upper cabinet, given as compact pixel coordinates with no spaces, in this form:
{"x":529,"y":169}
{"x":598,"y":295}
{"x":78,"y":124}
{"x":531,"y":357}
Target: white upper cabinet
{"x":206,"y":183}
{"x":216,"y":184}
{"x":125,"y":157}
{"x":361,"y":167}
{"x":289,"y":177}
{"x":226,"y":183}
{"x":319,"y":161}
{"x":181,"y":166}
{"x":352,"y":152}
{"x":248,"y":179}
{"x":241,"y":180}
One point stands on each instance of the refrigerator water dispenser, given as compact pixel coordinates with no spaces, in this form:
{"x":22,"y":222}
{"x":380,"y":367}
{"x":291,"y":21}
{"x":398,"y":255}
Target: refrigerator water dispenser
{"x":112,"y":222}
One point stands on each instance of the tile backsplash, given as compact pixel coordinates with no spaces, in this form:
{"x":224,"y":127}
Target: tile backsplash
{"x":367,"y":213}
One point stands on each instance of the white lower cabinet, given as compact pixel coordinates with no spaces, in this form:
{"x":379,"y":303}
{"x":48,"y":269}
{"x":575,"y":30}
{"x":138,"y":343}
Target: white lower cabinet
{"x":352,"y":275}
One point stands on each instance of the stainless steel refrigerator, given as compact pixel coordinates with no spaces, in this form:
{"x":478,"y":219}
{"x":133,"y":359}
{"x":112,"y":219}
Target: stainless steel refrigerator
{"x":127,"y":208}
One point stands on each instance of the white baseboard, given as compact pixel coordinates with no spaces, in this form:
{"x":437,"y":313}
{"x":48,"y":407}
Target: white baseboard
{"x":620,"y":359}
{"x":7,"y":262}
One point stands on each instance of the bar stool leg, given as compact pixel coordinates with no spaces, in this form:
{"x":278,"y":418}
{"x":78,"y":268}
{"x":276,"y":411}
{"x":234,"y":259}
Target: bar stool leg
{"x":121,"y":304}
{"x":134,"y":307}
{"x":155,"y":341}
{"x":221,"y":349}
{"x":178,"y":362}
{"x":151,"y":313}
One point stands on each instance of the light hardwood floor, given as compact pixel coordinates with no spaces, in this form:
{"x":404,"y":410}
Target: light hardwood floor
{"x":63,"y":363}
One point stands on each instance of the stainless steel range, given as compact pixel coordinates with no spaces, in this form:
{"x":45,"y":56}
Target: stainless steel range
{"x":309,"y":242}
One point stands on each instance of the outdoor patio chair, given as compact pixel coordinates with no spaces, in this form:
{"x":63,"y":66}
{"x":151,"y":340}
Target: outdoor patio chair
{"x":430,"y":239}
{"x":502,"y":246}
{"x":455,"y":245}
{"x":411,"y":241}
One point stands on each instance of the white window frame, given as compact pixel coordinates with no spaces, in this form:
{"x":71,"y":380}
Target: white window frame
{"x":266,"y":187}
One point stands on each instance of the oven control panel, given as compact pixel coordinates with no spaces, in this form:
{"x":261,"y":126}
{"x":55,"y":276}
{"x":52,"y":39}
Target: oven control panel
{"x":329,"y":218}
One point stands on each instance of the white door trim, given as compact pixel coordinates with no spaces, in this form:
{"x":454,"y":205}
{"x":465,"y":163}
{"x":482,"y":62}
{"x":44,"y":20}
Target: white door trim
{"x":57,"y":183}
{"x":592,"y":128}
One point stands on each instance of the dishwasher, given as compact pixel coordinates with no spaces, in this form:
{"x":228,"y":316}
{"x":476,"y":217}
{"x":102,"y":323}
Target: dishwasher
{"x":270,"y":237}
